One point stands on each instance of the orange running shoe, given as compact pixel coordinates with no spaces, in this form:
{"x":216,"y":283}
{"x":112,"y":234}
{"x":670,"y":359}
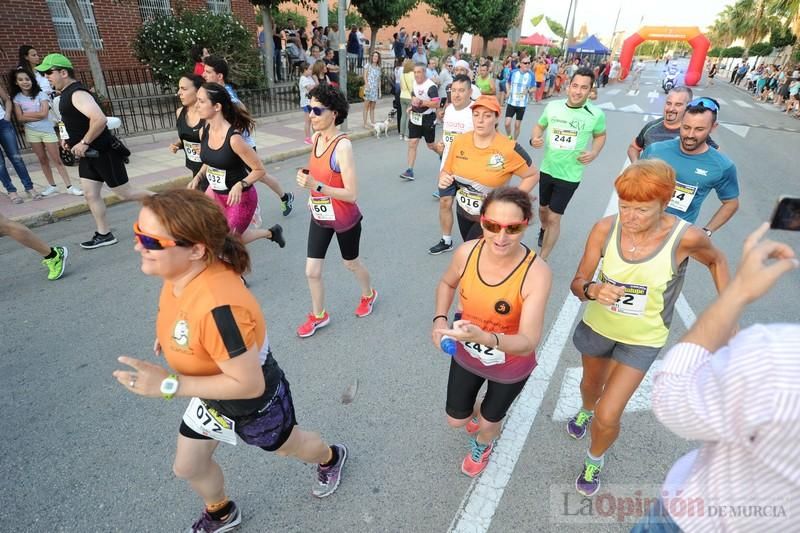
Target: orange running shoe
{"x":473,"y":426}
{"x":312,"y":323}
{"x":475,"y":461}
{"x":365,"y":306}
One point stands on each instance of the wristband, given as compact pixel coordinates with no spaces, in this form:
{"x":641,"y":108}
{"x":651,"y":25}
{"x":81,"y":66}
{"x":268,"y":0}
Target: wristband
{"x":496,"y":340}
{"x":586,"y":290}
{"x":437,"y":317}
{"x":245,"y":184}
{"x":708,"y":231}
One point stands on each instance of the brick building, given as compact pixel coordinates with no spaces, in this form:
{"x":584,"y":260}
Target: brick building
{"x":47,"y":26}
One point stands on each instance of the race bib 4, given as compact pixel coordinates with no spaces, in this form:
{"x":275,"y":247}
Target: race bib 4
{"x":682,"y":196}
{"x":208,"y":422}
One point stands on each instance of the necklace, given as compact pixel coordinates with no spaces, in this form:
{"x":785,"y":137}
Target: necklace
{"x":635,"y":244}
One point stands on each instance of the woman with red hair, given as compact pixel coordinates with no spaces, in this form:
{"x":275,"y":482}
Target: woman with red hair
{"x":645,"y":252}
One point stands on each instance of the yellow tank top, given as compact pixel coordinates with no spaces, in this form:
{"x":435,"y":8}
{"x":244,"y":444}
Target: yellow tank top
{"x":643,"y":315}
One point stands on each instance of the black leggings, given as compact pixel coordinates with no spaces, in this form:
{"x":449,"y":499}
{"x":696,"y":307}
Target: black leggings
{"x":319,"y":239}
{"x":470,"y":229}
{"x":462,"y":390}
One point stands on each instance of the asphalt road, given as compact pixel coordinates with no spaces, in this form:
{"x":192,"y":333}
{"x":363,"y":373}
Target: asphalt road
{"x":81,"y":454}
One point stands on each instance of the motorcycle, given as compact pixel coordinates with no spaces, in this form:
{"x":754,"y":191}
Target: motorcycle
{"x":670,"y":79}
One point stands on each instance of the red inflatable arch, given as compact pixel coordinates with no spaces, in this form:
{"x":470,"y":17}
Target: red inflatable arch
{"x":692,"y":35}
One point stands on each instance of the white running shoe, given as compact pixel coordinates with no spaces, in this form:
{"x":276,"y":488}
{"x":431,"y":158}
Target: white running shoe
{"x":256,"y":221}
{"x":50,"y":190}
{"x":74,"y":190}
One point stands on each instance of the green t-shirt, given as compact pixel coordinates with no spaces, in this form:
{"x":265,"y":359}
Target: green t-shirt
{"x":567,"y":134}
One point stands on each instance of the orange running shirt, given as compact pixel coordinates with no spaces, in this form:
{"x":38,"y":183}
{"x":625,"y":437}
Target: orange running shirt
{"x":495,"y":309}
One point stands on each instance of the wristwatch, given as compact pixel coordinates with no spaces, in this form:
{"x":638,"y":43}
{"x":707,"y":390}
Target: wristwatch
{"x":708,"y":231}
{"x":169,"y":386}
{"x":245,"y":185}
{"x":586,"y":290}
{"x":319,"y":187}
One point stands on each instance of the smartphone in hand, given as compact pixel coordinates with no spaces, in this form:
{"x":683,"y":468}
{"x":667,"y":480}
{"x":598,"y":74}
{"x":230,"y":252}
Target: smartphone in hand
{"x":786,"y":214}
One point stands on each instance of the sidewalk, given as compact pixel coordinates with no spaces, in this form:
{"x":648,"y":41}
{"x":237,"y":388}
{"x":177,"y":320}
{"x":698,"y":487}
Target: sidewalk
{"x":153,"y":166}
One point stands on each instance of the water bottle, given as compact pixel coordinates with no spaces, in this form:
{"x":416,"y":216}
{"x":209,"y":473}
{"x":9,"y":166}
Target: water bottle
{"x":448,"y":345}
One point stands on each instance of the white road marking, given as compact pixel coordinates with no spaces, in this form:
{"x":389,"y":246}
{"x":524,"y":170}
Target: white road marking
{"x":739,"y":130}
{"x":721,"y":101}
{"x":653,"y":96}
{"x":569,"y":401}
{"x":742,"y":103}
{"x":483,"y":496}
{"x":611,"y":92}
{"x":633,"y":108}
{"x":607,"y":105}
{"x":633,"y":92}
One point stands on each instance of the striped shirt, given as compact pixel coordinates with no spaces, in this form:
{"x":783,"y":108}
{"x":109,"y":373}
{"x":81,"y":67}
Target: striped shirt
{"x":519,"y":83}
{"x":744,"y":402}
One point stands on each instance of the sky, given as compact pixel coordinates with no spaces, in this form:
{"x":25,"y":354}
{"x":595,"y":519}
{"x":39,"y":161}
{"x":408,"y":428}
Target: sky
{"x":600,"y":16}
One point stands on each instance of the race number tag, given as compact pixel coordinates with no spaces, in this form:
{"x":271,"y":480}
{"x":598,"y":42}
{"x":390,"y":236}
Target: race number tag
{"x":633,"y":302}
{"x":62,"y":131}
{"x":682,"y":196}
{"x":470,"y":201}
{"x":192,"y":151}
{"x":416,"y":118}
{"x":321,"y":208}
{"x":208,"y":422}
{"x":487,"y":356}
{"x":562,"y":139}
{"x":216,"y":178}
{"x":448,"y":137}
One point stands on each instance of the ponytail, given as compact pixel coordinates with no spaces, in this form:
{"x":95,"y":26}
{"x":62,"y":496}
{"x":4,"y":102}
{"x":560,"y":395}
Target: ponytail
{"x":235,"y":254}
{"x":239,"y":118}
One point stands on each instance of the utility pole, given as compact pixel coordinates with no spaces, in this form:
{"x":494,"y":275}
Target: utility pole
{"x":571,"y":34}
{"x":322,"y":7}
{"x":614,"y":33}
{"x":343,"y":52}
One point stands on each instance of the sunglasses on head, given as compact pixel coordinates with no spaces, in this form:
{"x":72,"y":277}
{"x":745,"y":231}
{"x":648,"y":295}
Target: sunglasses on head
{"x":511,"y":229}
{"x":704,"y":102}
{"x":318,"y":111}
{"x":154,"y":242}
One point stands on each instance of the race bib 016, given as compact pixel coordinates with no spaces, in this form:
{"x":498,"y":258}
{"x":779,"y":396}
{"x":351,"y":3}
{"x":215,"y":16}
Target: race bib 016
{"x":470,"y":201}
{"x":487,"y":356}
{"x":216,"y":178}
{"x":192,"y":151}
{"x":321,"y":208}
{"x":208,"y":422}
{"x":682,"y":196}
{"x":564,"y":139}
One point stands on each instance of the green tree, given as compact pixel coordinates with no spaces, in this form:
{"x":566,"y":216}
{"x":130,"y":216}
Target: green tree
{"x":733,"y":51}
{"x":780,"y":37}
{"x":557,"y":28}
{"x":760,"y":50}
{"x":382,"y":13}
{"x":351,"y":18}
{"x":487,"y":18}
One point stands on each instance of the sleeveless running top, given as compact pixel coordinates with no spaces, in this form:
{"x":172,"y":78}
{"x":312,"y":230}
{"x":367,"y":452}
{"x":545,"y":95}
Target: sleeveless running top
{"x":326,"y":211}
{"x":190,"y":139}
{"x":484,"y":84}
{"x":496,"y":309}
{"x":644,"y":314}
{"x":76,"y":123}
{"x":225,"y":168}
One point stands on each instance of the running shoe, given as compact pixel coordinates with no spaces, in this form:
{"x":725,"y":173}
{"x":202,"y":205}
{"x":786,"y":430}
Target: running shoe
{"x":475,"y":461}
{"x":578,"y":424}
{"x":74,"y":190}
{"x":329,"y":477}
{"x":207,"y":524}
{"x":588,"y":482}
{"x":436,"y":194}
{"x":365,"y":306}
{"x":99,"y":240}
{"x":313,"y":323}
{"x":50,"y":190}
{"x":541,"y":238}
{"x":56,"y":265}
{"x":441,"y":247}
{"x":473,"y":425}
{"x":286,"y":207}
{"x":277,"y":235}
{"x":307,"y":140}
{"x":408,"y":174}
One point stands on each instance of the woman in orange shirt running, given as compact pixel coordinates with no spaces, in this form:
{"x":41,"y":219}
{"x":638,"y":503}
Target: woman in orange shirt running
{"x":503,"y":290}
{"x":213,"y":336}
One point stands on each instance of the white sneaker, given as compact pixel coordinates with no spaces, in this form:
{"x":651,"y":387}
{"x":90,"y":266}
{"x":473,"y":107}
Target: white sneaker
{"x":50,"y":190}
{"x":74,"y":190}
{"x":256,"y":221}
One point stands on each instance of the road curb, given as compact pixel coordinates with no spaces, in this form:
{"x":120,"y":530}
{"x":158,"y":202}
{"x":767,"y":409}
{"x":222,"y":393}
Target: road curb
{"x":79,"y":207}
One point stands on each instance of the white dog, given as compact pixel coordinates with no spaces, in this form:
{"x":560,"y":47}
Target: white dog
{"x":384,"y":125}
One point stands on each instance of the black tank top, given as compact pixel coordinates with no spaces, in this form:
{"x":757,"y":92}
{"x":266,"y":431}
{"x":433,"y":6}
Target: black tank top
{"x":190,"y":137}
{"x":76,"y":123}
{"x":225,"y":168}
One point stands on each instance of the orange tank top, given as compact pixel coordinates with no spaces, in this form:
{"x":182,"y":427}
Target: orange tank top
{"x":326,"y":211}
{"x":496,"y":309}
